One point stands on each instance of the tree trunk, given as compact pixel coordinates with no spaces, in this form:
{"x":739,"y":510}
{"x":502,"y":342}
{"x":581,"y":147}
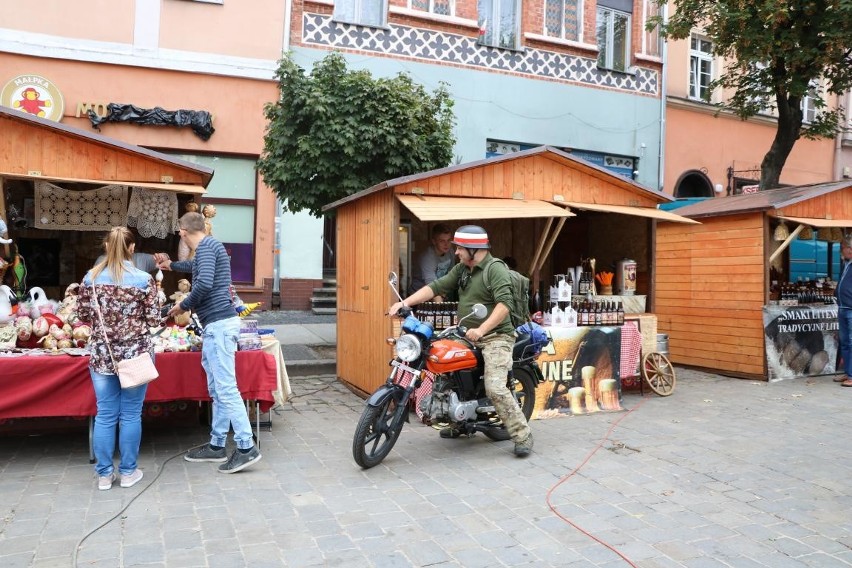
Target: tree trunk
{"x":789,"y":127}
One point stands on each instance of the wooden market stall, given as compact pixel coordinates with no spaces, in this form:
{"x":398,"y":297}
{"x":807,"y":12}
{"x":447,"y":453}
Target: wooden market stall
{"x":41,"y":158}
{"x":714,"y":282}
{"x":543,"y":207}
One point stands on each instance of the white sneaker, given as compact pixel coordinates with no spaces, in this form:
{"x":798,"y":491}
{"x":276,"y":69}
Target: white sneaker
{"x":105,"y":482}
{"x":132,"y":479}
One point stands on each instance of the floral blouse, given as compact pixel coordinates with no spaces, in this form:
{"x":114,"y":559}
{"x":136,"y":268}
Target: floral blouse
{"x":129,"y":309}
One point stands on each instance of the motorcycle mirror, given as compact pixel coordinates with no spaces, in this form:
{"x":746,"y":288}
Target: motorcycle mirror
{"x":480,"y":311}
{"x":392,"y":281}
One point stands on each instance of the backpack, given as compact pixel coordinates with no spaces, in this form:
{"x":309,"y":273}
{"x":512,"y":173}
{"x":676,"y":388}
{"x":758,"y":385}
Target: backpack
{"x":519,"y":308}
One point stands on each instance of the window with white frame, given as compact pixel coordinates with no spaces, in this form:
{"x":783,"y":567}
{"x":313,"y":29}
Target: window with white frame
{"x":499,"y":23}
{"x":362,"y":12}
{"x":613,"y":34}
{"x":440,"y":7}
{"x":563,"y":19}
{"x":700,"y":68}
{"x":652,"y":42}
{"x":809,"y":109}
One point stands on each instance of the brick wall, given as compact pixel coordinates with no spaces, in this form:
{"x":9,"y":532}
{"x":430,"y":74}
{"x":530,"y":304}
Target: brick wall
{"x":251,"y":294}
{"x":296,"y":293}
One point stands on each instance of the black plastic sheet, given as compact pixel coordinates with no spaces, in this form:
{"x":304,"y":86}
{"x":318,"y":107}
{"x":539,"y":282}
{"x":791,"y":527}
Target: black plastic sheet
{"x":200,"y":121}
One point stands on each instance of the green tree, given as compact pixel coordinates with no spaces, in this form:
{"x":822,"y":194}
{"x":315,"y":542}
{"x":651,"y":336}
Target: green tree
{"x":334,"y":132}
{"x":776,"y":51}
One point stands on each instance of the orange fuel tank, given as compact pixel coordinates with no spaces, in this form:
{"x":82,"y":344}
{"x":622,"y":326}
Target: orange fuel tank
{"x":452,"y":356}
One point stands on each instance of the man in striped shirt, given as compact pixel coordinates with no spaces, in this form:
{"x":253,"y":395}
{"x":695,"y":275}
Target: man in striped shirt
{"x":210,"y":299}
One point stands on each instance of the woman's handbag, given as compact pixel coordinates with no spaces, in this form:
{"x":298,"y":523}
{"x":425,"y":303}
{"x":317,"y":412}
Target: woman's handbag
{"x":139,"y":370}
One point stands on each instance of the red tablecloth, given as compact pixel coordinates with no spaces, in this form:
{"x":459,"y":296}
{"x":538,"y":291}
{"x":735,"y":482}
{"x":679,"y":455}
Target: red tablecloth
{"x":60,"y":385}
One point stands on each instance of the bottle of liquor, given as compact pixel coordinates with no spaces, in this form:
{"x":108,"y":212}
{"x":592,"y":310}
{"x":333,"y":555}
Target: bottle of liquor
{"x":620,"y":314}
{"x":582,"y":314}
{"x":598,"y":313}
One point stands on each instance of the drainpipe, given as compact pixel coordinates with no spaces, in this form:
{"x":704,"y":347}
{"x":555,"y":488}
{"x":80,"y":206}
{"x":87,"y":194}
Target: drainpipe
{"x":288,"y":7}
{"x":663,"y":85}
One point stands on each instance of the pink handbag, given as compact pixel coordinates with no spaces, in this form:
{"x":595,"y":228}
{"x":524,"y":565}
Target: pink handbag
{"x":139,"y":370}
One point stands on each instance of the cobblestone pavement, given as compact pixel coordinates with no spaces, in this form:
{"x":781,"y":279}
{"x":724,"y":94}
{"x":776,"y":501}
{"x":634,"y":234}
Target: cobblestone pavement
{"x":725,"y":472}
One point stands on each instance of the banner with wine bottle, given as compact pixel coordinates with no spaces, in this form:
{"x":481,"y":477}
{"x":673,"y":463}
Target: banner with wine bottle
{"x":801,"y":341}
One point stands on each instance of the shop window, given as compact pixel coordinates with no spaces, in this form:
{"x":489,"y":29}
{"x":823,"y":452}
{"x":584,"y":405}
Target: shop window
{"x":439,"y":7}
{"x":613,"y":34}
{"x":361,"y":12}
{"x":233,"y":191}
{"x":563,"y":19}
{"x":700,"y":68}
{"x":499,"y":23}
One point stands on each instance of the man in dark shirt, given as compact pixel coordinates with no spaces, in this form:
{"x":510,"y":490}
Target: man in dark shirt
{"x":844,"y":310}
{"x":210,"y":299}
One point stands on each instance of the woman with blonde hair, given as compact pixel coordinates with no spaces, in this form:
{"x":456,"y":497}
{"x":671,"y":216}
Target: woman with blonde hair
{"x":127,"y":301}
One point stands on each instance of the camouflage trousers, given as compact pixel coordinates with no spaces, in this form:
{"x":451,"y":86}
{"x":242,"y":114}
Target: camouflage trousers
{"x":497,"y":356}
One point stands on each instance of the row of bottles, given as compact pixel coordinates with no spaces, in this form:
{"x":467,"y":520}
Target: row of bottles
{"x":599,"y":312}
{"x":440,"y":314}
{"x":794,"y":294}
{"x":584,"y":313}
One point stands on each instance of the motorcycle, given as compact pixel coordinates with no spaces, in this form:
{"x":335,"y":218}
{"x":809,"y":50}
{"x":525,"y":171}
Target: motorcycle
{"x":456,"y":399}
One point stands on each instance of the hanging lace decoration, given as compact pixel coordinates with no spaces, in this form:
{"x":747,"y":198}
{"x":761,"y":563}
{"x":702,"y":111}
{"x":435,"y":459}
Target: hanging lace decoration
{"x":154,"y":213}
{"x":62,"y":209}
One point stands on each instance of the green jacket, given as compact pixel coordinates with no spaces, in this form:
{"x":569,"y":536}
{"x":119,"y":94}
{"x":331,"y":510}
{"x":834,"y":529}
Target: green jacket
{"x":474,"y":290}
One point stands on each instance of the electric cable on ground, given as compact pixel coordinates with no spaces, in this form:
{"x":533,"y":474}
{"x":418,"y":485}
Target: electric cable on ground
{"x":123,"y":509}
{"x":576,"y":469}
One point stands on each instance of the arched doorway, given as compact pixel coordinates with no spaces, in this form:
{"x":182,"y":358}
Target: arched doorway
{"x":693,"y":183}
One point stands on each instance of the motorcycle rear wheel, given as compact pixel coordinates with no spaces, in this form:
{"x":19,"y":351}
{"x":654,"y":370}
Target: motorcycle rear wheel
{"x":524,"y":392}
{"x":374,"y":437}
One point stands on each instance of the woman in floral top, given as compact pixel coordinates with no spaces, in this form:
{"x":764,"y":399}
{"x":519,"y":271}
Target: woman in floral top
{"x":128,"y":303}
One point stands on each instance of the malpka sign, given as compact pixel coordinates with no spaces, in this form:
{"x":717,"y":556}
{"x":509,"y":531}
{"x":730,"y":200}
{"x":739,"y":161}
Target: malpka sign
{"x":34,"y":95}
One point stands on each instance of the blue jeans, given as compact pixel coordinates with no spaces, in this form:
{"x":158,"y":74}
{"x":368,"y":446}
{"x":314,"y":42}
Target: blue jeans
{"x":218,"y":357}
{"x":844,"y":321}
{"x":122,"y":408}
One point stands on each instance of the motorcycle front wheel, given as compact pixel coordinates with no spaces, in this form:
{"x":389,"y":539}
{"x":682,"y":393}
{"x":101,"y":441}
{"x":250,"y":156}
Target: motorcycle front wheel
{"x":374,"y":436}
{"x":524,"y":392}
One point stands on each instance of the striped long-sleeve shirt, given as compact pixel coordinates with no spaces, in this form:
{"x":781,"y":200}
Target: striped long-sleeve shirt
{"x":210,"y":296}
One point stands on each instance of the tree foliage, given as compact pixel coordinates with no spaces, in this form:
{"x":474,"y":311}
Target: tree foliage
{"x":776,"y":52}
{"x":335,"y":131}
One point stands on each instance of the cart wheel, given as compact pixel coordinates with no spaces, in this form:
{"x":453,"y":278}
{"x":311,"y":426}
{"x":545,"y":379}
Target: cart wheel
{"x":658,"y":372}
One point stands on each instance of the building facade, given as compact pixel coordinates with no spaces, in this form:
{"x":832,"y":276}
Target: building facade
{"x":207,"y":56}
{"x":711,"y":153}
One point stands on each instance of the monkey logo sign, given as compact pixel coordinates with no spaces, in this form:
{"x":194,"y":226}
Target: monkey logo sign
{"x":34,"y":95}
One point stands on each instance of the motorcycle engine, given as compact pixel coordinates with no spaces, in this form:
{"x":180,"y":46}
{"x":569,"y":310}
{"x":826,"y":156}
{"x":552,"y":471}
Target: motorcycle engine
{"x":442,"y":405}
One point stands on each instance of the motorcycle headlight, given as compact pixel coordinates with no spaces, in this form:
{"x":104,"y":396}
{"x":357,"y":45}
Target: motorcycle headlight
{"x":408,"y":348}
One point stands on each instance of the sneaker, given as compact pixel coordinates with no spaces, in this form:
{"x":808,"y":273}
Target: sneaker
{"x":206,"y":454}
{"x":450,"y":433}
{"x":132,"y":479}
{"x":523,"y":449}
{"x":239,"y":461}
{"x":105,"y":482}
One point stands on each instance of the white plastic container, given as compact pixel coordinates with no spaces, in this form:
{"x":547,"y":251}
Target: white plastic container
{"x":625,"y":277}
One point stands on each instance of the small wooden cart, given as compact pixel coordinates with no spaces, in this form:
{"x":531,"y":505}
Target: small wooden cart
{"x":655,"y":368}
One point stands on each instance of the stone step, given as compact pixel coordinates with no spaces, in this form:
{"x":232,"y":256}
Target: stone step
{"x":325,"y":291}
{"x":329,"y":282}
{"x":323,"y":301}
{"x":324,"y":311}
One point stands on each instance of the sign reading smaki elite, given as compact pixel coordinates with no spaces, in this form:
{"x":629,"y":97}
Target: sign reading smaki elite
{"x":34,"y":95}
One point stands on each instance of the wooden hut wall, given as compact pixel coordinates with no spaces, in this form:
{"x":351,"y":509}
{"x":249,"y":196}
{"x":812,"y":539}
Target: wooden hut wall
{"x":710,"y":292}
{"x":838,"y":204}
{"x":536,"y":177}
{"x":25,"y":149}
{"x":366,"y":252}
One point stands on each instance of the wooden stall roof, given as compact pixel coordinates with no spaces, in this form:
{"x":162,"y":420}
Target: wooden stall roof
{"x":434,"y":208}
{"x":767,"y":200}
{"x":36,"y":148}
{"x":547,"y":152}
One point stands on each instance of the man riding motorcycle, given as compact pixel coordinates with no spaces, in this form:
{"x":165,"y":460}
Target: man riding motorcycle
{"x":494,"y":334}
